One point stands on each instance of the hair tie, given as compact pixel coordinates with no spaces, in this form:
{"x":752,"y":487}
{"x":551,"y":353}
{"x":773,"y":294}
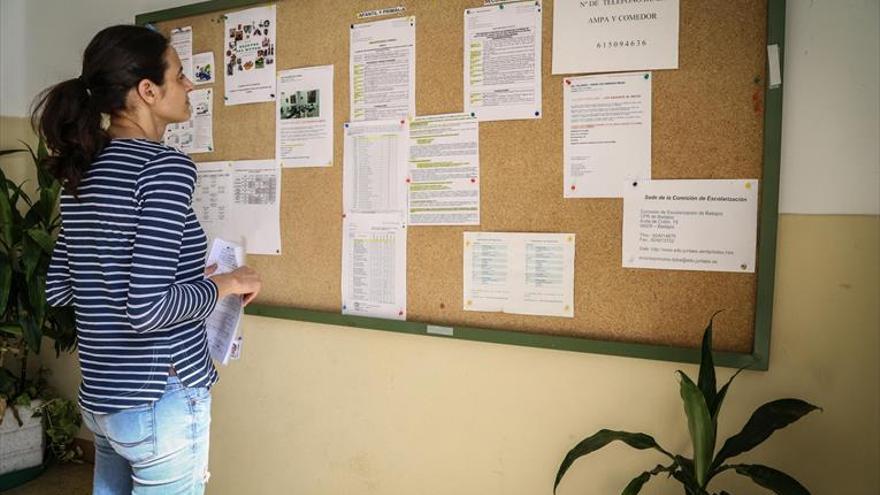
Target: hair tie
{"x":85,"y":85}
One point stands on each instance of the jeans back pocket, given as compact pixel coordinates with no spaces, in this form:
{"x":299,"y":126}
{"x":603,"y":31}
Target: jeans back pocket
{"x":131,"y":432}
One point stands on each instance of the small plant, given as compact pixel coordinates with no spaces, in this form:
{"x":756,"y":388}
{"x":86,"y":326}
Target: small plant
{"x":702,"y":404}
{"x":61,"y":423}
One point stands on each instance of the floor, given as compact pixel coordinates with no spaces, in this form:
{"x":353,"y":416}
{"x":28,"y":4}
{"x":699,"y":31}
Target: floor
{"x":62,"y":479}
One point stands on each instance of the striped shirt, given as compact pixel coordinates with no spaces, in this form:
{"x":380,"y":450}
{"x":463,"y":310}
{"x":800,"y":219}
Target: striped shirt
{"x":130,"y":257}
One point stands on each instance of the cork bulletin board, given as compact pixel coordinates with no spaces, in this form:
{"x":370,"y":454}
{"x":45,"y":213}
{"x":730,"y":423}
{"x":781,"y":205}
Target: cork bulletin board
{"x":713,"y":118}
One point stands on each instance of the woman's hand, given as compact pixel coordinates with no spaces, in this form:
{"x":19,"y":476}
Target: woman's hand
{"x":243,"y":281}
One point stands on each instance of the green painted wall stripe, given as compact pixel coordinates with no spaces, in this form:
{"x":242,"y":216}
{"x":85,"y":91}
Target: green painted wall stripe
{"x":758,"y":359}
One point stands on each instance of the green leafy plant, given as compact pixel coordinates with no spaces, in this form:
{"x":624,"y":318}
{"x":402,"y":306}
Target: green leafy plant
{"x":28,"y":227}
{"x":702,"y":405}
{"x":61,"y":423}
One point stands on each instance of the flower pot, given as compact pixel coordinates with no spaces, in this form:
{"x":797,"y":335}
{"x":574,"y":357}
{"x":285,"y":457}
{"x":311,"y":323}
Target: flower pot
{"x":21,"y":447}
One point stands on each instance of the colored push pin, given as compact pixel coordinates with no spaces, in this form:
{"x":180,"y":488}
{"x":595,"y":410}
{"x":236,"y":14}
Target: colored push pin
{"x":407,"y":180}
{"x":568,"y":81}
{"x":473,"y":181}
{"x":400,"y":313}
{"x":573,"y":187}
{"x":748,"y":185}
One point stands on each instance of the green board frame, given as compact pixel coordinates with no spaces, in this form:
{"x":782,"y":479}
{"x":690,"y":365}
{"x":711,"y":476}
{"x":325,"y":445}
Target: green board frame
{"x":757,"y":359}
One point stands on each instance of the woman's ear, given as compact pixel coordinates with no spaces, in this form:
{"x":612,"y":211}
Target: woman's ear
{"x":148,"y":91}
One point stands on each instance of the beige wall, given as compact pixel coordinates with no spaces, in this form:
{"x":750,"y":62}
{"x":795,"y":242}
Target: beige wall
{"x":314,"y":409}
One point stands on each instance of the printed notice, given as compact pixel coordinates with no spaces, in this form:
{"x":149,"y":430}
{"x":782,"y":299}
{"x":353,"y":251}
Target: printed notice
{"x":614,"y":36}
{"x":181,"y":40}
{"x":382,"y":69}
{"x":222,"y":324}
{"x":375,"y":156}
{"x":374,"y":266}
{"x":304,"y":117}
{"x":249,"y":56}
{"x":203,"y":68}
{"x":530,"y":274}
{"x":444,"y":170}
{"x":606,"y":133}
{"x":502,"y":61}
{"x":196,"y":135}
{"x":705,"y":225}
{"x":240,"y":201}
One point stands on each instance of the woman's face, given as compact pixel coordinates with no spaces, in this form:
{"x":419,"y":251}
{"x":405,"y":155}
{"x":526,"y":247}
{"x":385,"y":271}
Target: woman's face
{"x":173,"y":106}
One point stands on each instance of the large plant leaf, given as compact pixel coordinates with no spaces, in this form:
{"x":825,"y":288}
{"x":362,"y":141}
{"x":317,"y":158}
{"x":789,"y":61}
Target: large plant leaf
{"x":602,"y":438}
{"x":37,"y":297}
{"x":32,"y":333}
{"x":12,"y":329}
{"x":30,"y":256}
{"x":5,"y":282}
{"x":765,"y":420}
{"x":700,"y":425}
{"x":42,"y":238}
{"x":772,"y":479}
{"x":706,"y":380}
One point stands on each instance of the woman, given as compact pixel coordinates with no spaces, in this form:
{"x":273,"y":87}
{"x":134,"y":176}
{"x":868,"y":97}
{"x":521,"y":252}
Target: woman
{"x":130,"y":257}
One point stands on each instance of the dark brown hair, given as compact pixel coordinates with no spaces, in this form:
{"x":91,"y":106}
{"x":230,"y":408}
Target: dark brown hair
{"x":68,"y":115}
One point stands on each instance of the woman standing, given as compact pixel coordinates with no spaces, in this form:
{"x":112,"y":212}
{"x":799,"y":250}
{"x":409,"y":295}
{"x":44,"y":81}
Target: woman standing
{"x":130,"y":257}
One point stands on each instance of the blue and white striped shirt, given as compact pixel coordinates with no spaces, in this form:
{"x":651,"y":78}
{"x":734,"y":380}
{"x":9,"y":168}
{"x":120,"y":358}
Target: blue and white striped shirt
{"x":130,"y":257}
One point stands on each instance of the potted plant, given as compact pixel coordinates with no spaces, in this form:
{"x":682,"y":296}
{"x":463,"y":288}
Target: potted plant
{"x":702,"y":403}
{"x":28,"y":227}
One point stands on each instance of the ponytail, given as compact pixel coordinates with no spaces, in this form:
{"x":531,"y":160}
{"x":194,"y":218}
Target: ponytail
{"x":68,"y":115}
{"x":67,"y":119}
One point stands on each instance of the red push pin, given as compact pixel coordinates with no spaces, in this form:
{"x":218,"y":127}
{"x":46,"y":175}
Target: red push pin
{"x":473,"y":180}
{"x":572,"y":187}
{"x":407,"y":180}
{"x":568,"y":81}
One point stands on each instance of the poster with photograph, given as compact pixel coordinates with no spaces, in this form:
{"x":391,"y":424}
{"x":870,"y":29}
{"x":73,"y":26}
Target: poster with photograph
{"x":203,"y":68}
{"x":249,"y":56}
{"x":304,"y":117}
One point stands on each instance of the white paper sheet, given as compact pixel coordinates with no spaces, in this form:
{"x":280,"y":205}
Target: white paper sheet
{"x":375,"y":161}
{"x":704,"y":225}
{"x":444,"y":170}
{"x":382,"y":69}
{"x":304,"y":117}
{"x":203,"y":68}
{"x":222,"y":324}
{"x":606,"y":133}
{"x":181,"y":40}
{"x":249,"y":55}
{"x":240,"y":201}
{"x":374,"y":266}
{"x":614,"y":36}
{"x":502,"y":61}
{"x":530,"y":274}
{"x":196,"y":135}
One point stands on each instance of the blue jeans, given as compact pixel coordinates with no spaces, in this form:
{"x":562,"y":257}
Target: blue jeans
{"x":158,"y":448}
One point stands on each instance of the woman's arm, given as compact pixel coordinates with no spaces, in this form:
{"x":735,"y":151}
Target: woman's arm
{"x":155,"y":301}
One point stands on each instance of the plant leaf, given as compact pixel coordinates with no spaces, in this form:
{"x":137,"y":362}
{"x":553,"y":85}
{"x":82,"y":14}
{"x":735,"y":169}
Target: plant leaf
{"x":719,"y":399}
{"x":10,"y":152}
{"x":600,"y":439}
{"x":42,"y":238}
{"x":772,"y":479}
{"x":31,"y":333}
{"x":5,"y":212}
{"x":635,"y":486}
{"x":706,"y":380}
{"x":700,"y":425}
{"x":765,"y":420}
{"x":5,"y":282}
